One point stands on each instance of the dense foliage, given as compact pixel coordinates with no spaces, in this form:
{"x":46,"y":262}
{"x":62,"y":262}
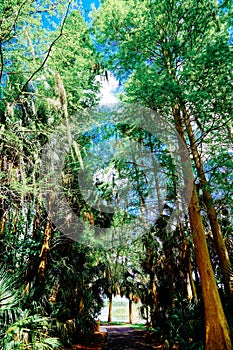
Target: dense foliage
{"x":121,"y":179}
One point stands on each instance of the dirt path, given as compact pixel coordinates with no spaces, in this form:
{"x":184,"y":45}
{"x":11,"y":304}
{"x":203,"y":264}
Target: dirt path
{"x":121,"y":338}
{"x":124,"y":337}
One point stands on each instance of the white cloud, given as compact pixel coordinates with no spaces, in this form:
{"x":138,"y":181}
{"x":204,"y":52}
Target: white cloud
{"x":108,"y":89}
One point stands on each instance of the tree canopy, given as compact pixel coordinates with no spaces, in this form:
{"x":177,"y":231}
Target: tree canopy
{"x":147,"y":183}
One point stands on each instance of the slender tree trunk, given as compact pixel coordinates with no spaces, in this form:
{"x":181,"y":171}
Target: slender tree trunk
{"x":216,"y":327}
{"x":3,"y":223}
{"x":189,"y":288}
{"x":185,"y":256}
{"x":169,"y":270}
{"x":150,"y":266}
{"x":154,"y":306}
{"x":191,"y":282}
{"x":110,"y":308}
{"x":147,"y":315}
{"x":36,"y":224}
{"x":211,"y":212}
{"x":230,"y":132}
{"x":81,"y":300}
{"x":44,"y":251}
{"x":153,"y":289}
{"x":15,"y":220}
{"x":130,"y":311}
{"x":46,"y":240}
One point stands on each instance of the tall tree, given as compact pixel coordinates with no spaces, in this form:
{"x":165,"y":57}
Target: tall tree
{"x":162,"y":47}
{"x":33,"y":64}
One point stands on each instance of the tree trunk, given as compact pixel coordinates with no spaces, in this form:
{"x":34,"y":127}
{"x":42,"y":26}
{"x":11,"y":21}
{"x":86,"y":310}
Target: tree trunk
{"x":44,"y":251}
{"x":211,"y":212}
{"x":169,"y":270}
{"x":81,"y":306}
{"x":217,"y":330}
{"x":149,"y":254}
{"x":216,"y":327}
{"x":110,"y":309}
{"x":47,"y":235}
{"x":185,"y":256}
{"x":191,"y":282}
{"x":154,"y":306}
{"x":3,"y":223}
{"x":130,"y":311}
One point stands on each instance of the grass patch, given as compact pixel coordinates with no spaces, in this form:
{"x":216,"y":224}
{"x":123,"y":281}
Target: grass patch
{"x":116,"y":323}
{"x":140,"y":326}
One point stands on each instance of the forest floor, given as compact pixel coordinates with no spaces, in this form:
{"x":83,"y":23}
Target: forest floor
{"x":114,"y":337}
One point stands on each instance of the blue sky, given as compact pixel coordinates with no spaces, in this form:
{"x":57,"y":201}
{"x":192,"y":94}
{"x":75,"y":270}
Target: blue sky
{"x":87,"y":6}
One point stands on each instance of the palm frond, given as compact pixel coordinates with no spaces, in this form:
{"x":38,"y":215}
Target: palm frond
{"x":8,"y":297}
{"x":19,"y":329}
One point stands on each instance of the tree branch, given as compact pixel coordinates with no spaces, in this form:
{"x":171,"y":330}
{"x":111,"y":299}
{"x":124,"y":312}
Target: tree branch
{"x":11,"y":26}
{"x":47,"y":55}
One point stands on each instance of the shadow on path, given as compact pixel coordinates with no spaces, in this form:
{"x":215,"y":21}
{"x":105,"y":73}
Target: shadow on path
{"x":123,"y":337}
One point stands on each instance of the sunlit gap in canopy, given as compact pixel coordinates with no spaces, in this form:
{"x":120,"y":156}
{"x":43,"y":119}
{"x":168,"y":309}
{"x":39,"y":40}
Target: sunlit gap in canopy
{"x":52,"y":16}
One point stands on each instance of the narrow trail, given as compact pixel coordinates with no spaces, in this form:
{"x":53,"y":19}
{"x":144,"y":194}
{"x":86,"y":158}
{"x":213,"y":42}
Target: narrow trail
{"x":124,"y":337}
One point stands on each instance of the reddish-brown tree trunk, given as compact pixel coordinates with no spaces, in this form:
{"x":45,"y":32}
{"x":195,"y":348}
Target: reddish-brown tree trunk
{"x":185,"y":256}
{"x":211,"y":212}
{"x":217,"y":330}
{"x":216,"y":327}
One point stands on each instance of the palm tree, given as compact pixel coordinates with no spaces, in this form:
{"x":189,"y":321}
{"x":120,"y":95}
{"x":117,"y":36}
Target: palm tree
{"x":19,"y":329}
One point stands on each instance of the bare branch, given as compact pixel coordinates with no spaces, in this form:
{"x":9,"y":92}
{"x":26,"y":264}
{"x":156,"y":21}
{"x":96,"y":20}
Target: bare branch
{"x":213,"y":128}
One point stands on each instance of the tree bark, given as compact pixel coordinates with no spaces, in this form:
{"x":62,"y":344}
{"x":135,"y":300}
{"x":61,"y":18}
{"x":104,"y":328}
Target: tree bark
{"x":217,"y":330}
{"x":44,"y":251}
{"x":110,"y":309}
{"x":3,"y":223}
{"x":130,"y":311}
{"x":185,"y":256}
{"x":211,"y":212}
{"x":216,"y":327}
{"x":192,"y":283}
